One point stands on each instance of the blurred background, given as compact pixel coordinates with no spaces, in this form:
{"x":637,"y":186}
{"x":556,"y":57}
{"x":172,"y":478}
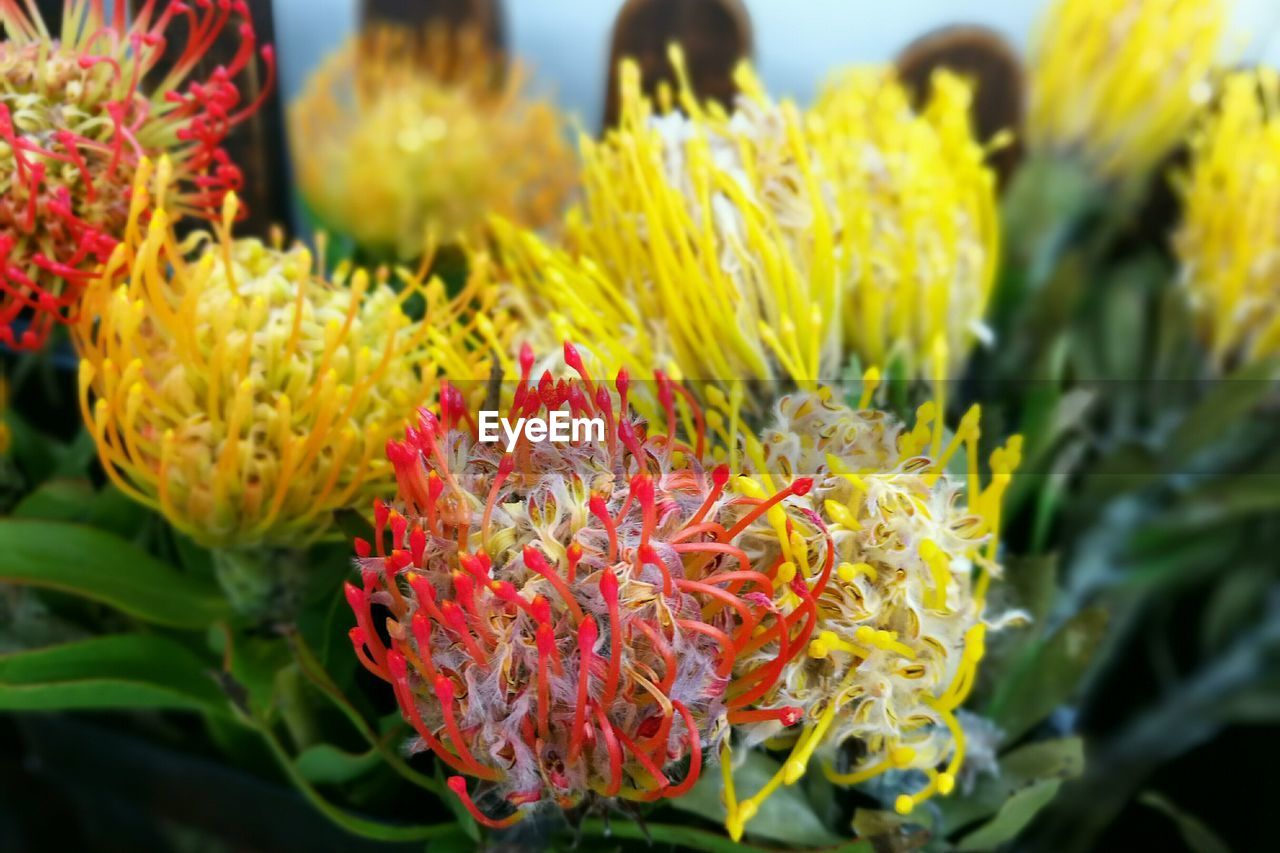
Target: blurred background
{"x":797,"y":44}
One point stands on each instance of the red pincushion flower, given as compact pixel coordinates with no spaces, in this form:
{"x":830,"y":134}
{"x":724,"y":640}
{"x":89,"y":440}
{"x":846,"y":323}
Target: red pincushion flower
{"x":78,"y":111}
{"x":564,"y":618}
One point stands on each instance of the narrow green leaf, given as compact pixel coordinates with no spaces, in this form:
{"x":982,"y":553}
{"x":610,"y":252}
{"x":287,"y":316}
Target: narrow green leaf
{"x":785,"y":816}
{"x":97,"y":565}
{"x":120,"y":671}
{"x":325,"y":764}
{"x":1061,"y":758}
{"x":1199,"y":837}
{"x":1012,"y":818}
{"x":1048,"y":674}
{"x":1230,"y":400}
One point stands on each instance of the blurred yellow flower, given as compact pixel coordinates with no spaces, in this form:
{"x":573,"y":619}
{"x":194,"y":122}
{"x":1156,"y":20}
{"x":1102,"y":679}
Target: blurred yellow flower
{"x":1229,"y":239}
{"x":1118,"y":82}
{"x":392,"y":137}
{"x":895,"y":562}
{"x":239,"y":391}
{"x":770,"y":242}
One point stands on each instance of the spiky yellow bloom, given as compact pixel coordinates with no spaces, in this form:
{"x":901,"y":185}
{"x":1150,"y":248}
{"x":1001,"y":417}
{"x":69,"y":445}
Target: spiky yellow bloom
{"x":895,"y":619}
{"x":235,"y":388}
{"x":1229,"y":239}
{"x":1118,"y":82}
{"x":391,"y":138}
{"x":770,"y":242}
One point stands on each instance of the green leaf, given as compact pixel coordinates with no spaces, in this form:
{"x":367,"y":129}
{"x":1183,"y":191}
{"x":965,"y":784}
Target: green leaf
{"x":785,"y":816}
{"x":1060,"y":759}
{"x":1048,"y":674}
{"x":121,"y":671}
{"x":1198,"y":837}
{"x":74,"y":500}
{"x":97,"y":565}
{"x":1230,"y":401}
{"x":1013,"y":816}
{"x":324,"y":764}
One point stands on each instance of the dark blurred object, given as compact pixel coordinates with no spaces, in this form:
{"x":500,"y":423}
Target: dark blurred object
{"x":715,"y":35}
{"x":257,"y":145}
{"x":983,"y":56}
{"x":74,"y":783}
{"x":484,"y":16}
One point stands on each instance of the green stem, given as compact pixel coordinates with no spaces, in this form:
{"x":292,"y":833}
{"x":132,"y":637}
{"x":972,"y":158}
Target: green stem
{"x":691,"y":838}
{"x":314,"y":672}
{"x":344,"y":819}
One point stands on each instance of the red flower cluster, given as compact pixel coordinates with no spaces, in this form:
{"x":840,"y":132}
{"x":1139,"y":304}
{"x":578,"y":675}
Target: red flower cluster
{"x":566,"y":619}
{"x":78,"y":112}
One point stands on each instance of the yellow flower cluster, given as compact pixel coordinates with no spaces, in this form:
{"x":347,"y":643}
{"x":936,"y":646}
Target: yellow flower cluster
{"x":392,"y":138}
{"x":770,"y":242}
{"x":233,"y":387}
{"x":898,"y":628}
{"x":1227,"y":242}
{"x":1118,"y":82}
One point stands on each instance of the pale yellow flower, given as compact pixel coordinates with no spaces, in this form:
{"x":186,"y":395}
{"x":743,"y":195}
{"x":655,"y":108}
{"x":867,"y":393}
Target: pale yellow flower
{"x":392,"y":139}
{"x":770,"y":242}
{"x":1117,"y":83}
{"x":1229,"y":239}
{"x":900,"y":566}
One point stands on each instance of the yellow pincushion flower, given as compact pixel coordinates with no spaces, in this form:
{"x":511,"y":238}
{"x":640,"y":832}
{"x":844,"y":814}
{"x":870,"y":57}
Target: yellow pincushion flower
{"x":1229,"y":239}
{"x":233,"y":387}
{"x":895,"y":577}
{"x":1118,"y":82}
{"x":388,"y":144}
{"x":770,"y":242}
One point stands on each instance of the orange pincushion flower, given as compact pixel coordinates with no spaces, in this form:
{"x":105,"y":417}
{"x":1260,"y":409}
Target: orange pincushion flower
{"x":566,"y":617}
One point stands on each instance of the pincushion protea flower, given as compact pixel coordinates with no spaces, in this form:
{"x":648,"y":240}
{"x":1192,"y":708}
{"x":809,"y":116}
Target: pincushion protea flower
{"x":1229,"y":239}
{"x":900,"y":627}
{"x":235,"y":388}
{"x":392,"y":137}
{"x":566,"y":618}
{"x":1117,"y":83}
{"x":78,"y":110}
{"x":771,"y":242}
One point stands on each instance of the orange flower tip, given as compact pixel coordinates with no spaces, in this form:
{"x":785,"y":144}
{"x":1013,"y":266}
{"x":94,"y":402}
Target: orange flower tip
{"x":648,"y":556}
{"x":363,"y":548}
{"x":597,"y":506}
{"x":541,"y":609}
{"x":380,"y":511}
{"x":574,"y":552}
{"x":642,"y":486}
{"x":356,"y":597}
{"x":546,"y":640}
{"x":444,"y":689}
{"x":454,"y":616}
{"x":802,"y":486}
{"x":720,"y":476}
{"x":609,"y":586}
{"x":357,"y":637}
{"x":791,"y":715}
{"x":397,"y":665}
{"x":534,"y":560}
{"x":458,"y":785}
{"x":505,"y":466}
{"x":574,"y":359}
{"x":527,"y":358}
{"x":587,"y":634}
{"x":623,"y":381}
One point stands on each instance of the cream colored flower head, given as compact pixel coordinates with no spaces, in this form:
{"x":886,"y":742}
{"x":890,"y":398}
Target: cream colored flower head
{"x":890,"y":573}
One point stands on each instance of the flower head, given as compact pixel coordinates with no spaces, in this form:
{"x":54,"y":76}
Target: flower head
{"x":392,"y":138}
{"x":566,"y":618}
{"x":238,"y":390}
{"x":1117,"y":82}
{"x":1229,"y":239}
{"x":770,"y":242}
{"x":78,"y":111}
{"x":899,"y":629}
